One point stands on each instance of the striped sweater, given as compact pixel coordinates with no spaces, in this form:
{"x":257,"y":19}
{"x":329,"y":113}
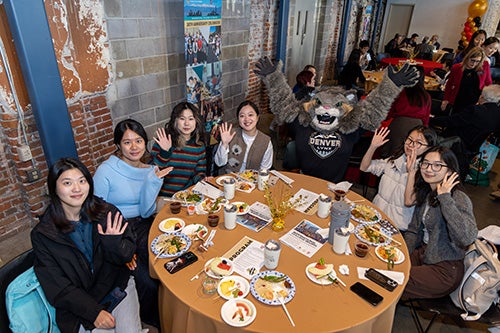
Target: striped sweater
{"x":189,"y":164}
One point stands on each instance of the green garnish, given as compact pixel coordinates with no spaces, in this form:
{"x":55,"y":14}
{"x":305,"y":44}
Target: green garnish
{"x":274,"y":278}
{"x":321,"y":261}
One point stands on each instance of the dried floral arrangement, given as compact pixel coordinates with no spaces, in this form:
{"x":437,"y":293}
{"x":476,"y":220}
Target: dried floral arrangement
{"x":279,"y":200}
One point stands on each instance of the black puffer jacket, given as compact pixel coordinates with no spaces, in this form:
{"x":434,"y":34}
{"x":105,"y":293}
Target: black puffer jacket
{"x":66,"y":277}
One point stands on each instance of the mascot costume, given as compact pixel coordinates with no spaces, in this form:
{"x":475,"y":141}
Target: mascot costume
{"x":327,"y":127}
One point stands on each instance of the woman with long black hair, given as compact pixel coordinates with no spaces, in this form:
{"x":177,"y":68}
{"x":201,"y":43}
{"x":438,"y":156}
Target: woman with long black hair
{"x":442,"y":227}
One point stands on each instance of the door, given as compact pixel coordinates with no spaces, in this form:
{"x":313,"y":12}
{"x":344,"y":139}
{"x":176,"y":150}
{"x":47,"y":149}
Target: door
{"x":303,"y":39}
{"x":398,"y":21}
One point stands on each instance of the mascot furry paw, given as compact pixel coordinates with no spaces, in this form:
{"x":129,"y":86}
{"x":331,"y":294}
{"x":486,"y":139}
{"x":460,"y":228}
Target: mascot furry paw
{"x":327,"y":127}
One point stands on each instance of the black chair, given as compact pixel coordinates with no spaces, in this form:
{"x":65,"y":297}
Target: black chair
{"x":446,"y":308}
{"x":447,"y":49}
{"x":8,"y":273}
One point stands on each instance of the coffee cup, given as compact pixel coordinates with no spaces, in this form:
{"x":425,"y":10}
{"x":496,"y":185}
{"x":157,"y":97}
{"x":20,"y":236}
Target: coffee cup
{"x":340,"y":240}
{"x":324,"y":203}
{"x":230,"y":212}
{"x":229,"y":188}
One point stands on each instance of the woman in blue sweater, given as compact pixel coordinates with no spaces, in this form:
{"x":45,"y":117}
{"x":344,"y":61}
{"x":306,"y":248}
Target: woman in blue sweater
{"x":132,"y":185}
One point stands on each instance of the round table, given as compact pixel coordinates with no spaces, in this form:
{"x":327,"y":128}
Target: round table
{"x":314,"y":308}
{"x":428,"y":65}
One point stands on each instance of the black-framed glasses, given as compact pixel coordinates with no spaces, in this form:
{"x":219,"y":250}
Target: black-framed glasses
{"x":475,"y":61}
{"x":417,"y":144}
{"x":436,"y":167}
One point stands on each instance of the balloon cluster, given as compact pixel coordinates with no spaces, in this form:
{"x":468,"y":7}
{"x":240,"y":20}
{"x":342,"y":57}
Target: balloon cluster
{"x":476,"y":9}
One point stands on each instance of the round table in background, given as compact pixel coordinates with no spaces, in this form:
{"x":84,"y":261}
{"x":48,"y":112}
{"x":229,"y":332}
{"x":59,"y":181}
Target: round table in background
{"x":428,"y":65}
{"x":314,"y":308}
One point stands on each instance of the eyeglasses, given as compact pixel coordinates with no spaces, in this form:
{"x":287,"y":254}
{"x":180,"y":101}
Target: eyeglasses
{"x":475,"y":61}
{"x":436,"y":167}
{"x":417,"y":144}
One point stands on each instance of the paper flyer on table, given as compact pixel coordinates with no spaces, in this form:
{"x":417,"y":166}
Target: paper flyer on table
{"x":247,"y":257}
{"x":257,"y":218}
{"x":304,"y":238}
{"x":308,"y":203}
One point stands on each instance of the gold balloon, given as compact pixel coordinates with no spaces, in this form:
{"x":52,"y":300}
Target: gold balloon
{"x":470,"y":19}
{"x":466,"y":43}
{"x":478,"y":8}
{"x":463,"y":33}
{"x":474,"y":29}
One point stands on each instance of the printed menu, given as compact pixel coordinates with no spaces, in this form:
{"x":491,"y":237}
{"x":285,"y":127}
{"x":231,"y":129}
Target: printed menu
{"x":247,"y":257}
{"x":305,"y":238}
{"x":257,"y":218}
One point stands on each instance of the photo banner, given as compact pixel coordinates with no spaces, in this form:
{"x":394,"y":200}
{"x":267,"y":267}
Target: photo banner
{"x":202,"y":52}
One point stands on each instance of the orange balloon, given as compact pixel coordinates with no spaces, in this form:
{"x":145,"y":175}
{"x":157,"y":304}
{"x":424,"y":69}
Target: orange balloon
{"x":478,"y":8}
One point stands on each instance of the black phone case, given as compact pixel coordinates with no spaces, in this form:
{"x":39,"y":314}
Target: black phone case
{"x":111,"y":300}
{"x":179,"y":263}
{"x":381,"y":279}
{"x":366,"y":293}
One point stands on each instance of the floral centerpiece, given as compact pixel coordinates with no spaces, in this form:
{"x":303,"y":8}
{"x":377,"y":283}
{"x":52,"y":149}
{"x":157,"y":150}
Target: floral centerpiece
{"x":280,"y":203}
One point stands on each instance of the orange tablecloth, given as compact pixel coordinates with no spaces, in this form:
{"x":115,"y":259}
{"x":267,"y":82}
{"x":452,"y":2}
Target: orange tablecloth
{"x":314,"y":308}
{"x":426,"y":64}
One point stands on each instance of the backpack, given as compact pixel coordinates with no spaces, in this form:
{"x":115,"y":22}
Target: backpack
{"x":481,"y":282}
{"x":28,"y":309}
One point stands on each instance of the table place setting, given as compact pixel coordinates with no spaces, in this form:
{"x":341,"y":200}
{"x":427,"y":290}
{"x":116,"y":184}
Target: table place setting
{"x":252,"y":267}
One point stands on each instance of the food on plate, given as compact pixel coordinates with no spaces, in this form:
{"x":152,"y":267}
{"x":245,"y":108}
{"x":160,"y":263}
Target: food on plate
{"x":172,"y":224}
{"x":389,"y":253}
{"x":220,"y":266}
{"x":372,"y":234}
{"x":188,"y":196}
{"x":170,"y":244}
{"x":231,"y":288}
{"x":365,"y":213}
{"x":210,"y":205}
{"x":321,"y":269}
{"x":241,"y":207}
{"x":269,"y":286}
{"x":249,"y":175}
{"x":244,"y":186}
{"x":242,"y":311}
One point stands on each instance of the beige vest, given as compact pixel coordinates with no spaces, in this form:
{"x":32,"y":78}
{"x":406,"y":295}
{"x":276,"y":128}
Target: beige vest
{"x":237,"y":149}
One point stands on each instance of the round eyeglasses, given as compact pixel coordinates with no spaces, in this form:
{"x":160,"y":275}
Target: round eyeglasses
{"x":417,"y":144}
{"x":436,"y":167}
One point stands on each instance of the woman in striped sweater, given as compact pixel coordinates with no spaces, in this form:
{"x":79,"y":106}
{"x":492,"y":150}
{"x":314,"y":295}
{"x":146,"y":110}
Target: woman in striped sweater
{"x":181,"y":145}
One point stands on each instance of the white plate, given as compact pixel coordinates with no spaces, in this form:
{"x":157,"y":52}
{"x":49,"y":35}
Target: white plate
{"x":168,"y":225}
{"x":323,"y":281}
{"x":241,"y":203}
{"x":244,"y":186}
{"x":180,"y":196}
{"x":362,"y":220}
{"x":230,"y":315}
{"x":240,"y":284}
{"x":400,"y":256}
{"x":209,"y":272}
{"x":249,"y":175}
{"x":220,"y":180}
{"x":193,"y":230}
{"x":200,"y":207}
{"x":274,"y":286}
{"x":358,"y":230}
{"x":185,"y":238}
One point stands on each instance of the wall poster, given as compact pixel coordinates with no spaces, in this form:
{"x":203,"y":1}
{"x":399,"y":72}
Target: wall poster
{"x":202,"y":53}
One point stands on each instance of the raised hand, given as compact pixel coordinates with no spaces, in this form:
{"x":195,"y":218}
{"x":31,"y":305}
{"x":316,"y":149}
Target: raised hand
{"x":162,"y":173}
{"x":164,"y":140}
{"x":448,"y":183}
{"x":113,"y":226}
{"x":379,"y":138}
{"x":132,"y":264}
{"x":411,"y":161}
{"x":225,"y":134}
{"x":264,"y":67}
{"x":407,"y":76}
